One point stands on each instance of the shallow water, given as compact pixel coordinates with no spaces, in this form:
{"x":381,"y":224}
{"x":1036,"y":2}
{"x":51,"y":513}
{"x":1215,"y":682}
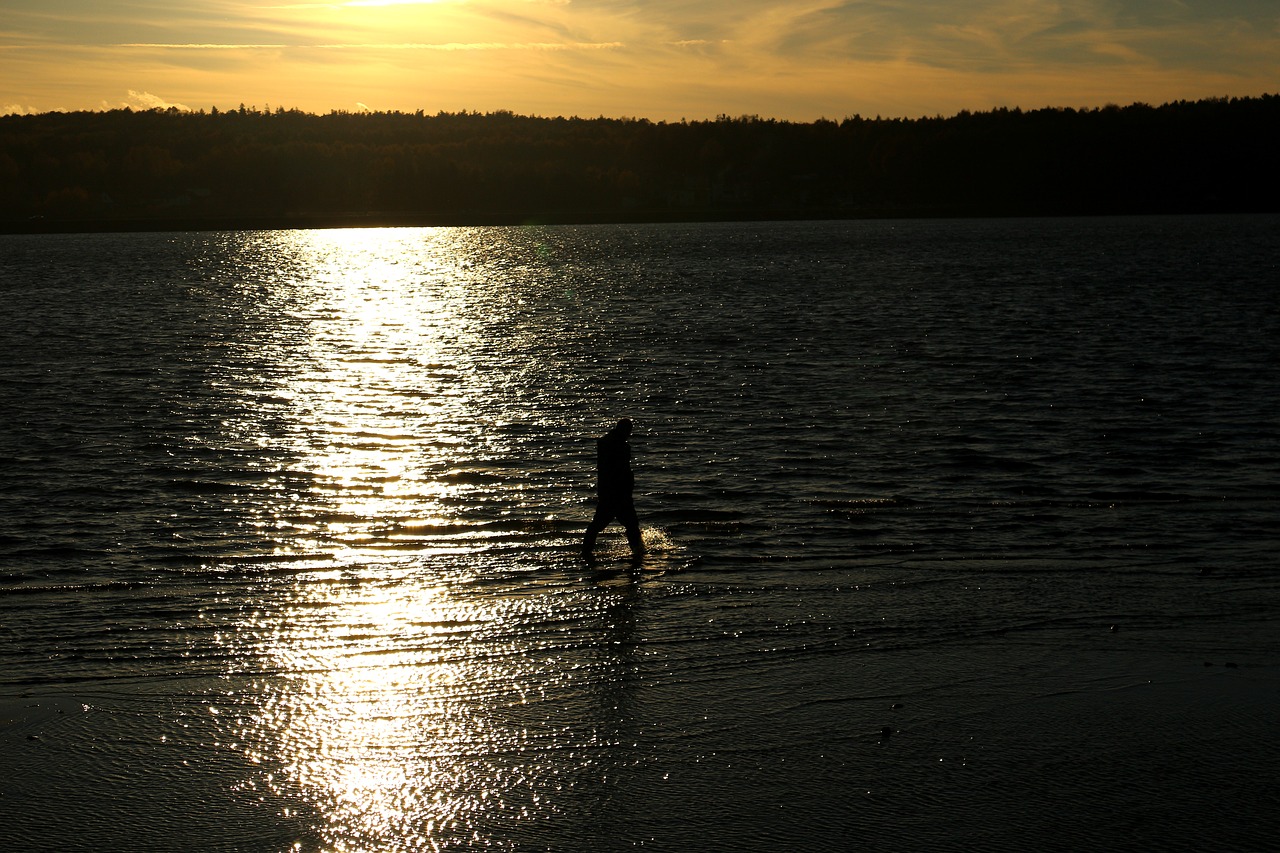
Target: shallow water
{"x":290,"y":519}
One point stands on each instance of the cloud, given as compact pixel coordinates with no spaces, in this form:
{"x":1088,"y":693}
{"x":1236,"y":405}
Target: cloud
{"x":453,"y":46}
{"x":147,"y":101}
{"x":376,"y":46}
{"x":356,"y":4}
{"x":158,"y":46}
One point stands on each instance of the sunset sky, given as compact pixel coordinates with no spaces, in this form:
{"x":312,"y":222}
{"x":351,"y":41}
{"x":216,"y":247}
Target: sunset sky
{"x":657,"y":59}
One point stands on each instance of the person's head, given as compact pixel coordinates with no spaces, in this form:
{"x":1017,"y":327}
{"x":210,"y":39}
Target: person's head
{"x":623,"y":427}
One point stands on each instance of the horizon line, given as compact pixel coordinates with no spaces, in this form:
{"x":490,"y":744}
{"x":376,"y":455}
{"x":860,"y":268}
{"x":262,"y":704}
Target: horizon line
{"x":363,"y":109}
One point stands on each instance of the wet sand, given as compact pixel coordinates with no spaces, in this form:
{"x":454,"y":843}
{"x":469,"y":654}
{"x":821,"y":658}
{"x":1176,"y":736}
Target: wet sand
{"x":982,"y":747}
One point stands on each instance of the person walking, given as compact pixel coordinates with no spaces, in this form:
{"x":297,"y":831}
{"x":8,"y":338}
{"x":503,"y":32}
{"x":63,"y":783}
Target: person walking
{"x":614,"y":485}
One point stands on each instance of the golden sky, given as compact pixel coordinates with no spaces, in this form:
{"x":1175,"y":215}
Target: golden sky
{"x":657,"y":59}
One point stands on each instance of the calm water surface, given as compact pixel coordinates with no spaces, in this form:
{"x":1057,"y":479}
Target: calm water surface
{"x":289,"y":521}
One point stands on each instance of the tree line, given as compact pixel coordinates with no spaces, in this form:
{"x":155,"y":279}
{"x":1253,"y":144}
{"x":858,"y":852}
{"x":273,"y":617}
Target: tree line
{"x":262,"y":168}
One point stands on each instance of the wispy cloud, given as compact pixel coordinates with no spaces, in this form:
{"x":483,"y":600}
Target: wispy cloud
{"x":362,"y":4}
{"x":148,"y":101}
{"x":447,"y":46}
{"x":190,"y":46}
{"x":456,"y":46}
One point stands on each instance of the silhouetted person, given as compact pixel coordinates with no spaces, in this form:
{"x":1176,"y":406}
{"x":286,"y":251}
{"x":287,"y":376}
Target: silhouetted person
{"x":614,"y":483}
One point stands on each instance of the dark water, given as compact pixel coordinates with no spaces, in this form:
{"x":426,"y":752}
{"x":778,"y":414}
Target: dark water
{"x":288,"y":528}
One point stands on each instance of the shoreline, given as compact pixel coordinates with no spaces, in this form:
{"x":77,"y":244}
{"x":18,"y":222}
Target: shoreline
{"x":299,"y":222}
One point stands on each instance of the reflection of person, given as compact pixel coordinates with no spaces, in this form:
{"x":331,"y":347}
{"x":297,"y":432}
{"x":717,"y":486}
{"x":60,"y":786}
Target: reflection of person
{"x":614,"y":483}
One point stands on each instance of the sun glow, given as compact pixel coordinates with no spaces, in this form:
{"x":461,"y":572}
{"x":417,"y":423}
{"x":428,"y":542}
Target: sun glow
{"x":398,"y":2}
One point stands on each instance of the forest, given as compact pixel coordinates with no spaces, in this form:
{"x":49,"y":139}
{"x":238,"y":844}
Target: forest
{"x":251,"y":168}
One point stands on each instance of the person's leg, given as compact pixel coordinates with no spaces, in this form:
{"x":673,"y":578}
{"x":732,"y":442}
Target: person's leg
{"x":599,"y":522}
{"x":627,"y":515}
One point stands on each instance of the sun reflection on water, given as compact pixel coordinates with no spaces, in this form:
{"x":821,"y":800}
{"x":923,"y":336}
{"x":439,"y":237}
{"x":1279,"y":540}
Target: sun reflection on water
{"x":367,"y":727}
{"x":412,"y":717}
{"x":377,"y":394}
{"x":396,"y":700}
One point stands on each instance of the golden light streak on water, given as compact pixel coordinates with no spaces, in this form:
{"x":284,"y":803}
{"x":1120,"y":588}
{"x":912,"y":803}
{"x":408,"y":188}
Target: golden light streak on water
{"x":382,"y":715}
{"x":371,"y":726}
{"x":376,"y":393}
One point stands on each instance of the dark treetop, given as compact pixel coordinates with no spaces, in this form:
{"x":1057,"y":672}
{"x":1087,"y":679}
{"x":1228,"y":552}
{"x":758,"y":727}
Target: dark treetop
{"x":253,"y":168}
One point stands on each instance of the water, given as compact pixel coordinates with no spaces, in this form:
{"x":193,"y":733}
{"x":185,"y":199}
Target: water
{"x":288,"y":533}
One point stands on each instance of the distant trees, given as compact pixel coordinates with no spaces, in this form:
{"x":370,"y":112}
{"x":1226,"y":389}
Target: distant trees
{"x":247,"y":165}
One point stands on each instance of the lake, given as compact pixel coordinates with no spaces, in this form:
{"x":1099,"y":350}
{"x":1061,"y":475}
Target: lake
{"x":961,"y":533}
